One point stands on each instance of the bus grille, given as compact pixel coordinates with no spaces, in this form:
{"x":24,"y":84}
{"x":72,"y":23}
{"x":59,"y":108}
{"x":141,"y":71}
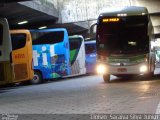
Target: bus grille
{"x":2,"y":71}
{"x":75,"y":69}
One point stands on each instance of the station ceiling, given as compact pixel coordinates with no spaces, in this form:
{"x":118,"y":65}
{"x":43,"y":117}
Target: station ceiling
{"x":16,"y":13}
{"x":21,"y":13}
{"x":9,"y":1}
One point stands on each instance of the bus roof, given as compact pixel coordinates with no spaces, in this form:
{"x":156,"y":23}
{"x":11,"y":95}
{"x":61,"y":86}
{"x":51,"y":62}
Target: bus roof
{"x":76,"y":36}
{"x":48,"y":30}
{"x":90,"y":42}
{"x":124,"y":11}
{"x":19,"y":31}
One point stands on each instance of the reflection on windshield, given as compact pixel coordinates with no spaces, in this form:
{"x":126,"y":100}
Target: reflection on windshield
{"x":128,"y":39}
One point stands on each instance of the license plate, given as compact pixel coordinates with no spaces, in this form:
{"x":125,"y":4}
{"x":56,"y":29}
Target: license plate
{"x":122,"y":70}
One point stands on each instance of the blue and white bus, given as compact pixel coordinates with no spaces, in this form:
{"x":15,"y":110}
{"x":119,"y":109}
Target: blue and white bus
{"x":90,"y":49}
{"x":51,"y":54}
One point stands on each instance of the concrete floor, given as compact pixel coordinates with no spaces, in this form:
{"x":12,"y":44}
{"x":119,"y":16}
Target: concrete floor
{"x":83,"y":95}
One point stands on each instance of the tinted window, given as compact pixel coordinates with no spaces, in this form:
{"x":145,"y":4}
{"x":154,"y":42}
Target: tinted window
{"x":75,"y":43}
{"x":125,"y":36}
{"x":131,"y":40}
{"x":1,"y":34}
{"x":18,"y":41}
{"x":47,"y":37}
{"x":90,"y":48}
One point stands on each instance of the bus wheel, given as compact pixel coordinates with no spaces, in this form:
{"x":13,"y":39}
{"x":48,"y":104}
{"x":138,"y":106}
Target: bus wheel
{"x":37,"y":78}
{"x":106,"y":78}
{"x":151,"y":74}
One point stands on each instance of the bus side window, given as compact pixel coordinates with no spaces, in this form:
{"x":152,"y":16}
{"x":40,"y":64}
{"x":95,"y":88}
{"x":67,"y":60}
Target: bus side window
{"x":1,"y":37}
{"x":47,"y":37}
{"x":18,"y":41}
{"x":74,"y":44}
{"x":90,"y":49}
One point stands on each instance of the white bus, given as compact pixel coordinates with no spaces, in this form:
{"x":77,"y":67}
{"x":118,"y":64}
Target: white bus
{"x":123,"y":42}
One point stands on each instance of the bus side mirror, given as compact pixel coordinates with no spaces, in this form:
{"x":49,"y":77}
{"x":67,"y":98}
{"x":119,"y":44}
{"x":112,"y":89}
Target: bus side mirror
{"x":0,"y":53}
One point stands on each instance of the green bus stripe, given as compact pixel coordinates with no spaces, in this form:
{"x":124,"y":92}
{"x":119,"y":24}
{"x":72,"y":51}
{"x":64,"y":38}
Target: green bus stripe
{"x":130,"y":59}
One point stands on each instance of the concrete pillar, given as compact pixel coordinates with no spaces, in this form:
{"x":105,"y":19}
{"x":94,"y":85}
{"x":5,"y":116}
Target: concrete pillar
{"x":76,"y":10}
{"x":151,"y":6}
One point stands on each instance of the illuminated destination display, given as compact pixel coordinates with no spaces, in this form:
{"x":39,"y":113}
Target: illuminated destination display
{"x":105,"y":20}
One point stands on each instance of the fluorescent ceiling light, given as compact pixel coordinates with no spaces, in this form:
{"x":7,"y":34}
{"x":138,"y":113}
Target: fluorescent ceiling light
{"x":43,"y":27}
{"x":23,"y":22}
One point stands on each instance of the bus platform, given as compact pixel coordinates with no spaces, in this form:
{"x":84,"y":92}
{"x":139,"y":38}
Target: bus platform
{"x":85,"y":95}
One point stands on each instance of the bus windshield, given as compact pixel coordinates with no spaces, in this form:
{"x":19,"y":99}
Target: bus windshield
{"x":124,"y":37}
{"x":90,"y":48}
{"x":47,"y":37}
{"x":75,"y":43}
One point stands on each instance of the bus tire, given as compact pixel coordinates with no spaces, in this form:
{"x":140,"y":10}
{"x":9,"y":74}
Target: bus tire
{"x":37,"y":78}
{"x":150,"y":74}
{"x":106,"y":78}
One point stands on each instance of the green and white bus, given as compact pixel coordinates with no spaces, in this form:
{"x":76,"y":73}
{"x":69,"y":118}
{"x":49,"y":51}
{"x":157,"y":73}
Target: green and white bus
{"x":77,"y":55}
{"x":123,"y":41}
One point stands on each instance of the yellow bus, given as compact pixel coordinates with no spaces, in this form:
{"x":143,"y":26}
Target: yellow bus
{"x":15,"y":55}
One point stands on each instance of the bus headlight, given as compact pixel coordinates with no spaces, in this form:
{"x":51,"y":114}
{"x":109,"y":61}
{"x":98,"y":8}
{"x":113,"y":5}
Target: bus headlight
{"x":101,"y":69}
{"x":143,"y":68}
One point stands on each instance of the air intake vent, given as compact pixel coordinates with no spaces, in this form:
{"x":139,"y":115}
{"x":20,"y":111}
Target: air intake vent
{"x":20,"y":71}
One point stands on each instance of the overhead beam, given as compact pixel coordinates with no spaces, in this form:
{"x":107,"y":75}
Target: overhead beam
{"x":39,"y":6}
{"x":9,"y":1}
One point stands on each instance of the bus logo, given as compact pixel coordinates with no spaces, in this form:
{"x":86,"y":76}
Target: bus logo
{"x":19,"y":56}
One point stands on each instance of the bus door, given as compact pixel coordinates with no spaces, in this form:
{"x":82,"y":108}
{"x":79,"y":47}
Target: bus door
{"x":5,"y":52}
{"x":21,"y":55}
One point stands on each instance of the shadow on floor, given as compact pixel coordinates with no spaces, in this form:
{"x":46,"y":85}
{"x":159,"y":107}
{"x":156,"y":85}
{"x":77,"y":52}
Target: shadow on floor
{"x":156,"y":77}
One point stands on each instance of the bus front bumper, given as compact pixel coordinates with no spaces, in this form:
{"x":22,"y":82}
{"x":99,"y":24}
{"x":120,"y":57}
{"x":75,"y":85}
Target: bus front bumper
{"x":141,"y":68}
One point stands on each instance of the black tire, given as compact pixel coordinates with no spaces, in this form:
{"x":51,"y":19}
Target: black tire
{"x":37,"y":78}
{"x":151,"y":74}
{"x":106,"y":78}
